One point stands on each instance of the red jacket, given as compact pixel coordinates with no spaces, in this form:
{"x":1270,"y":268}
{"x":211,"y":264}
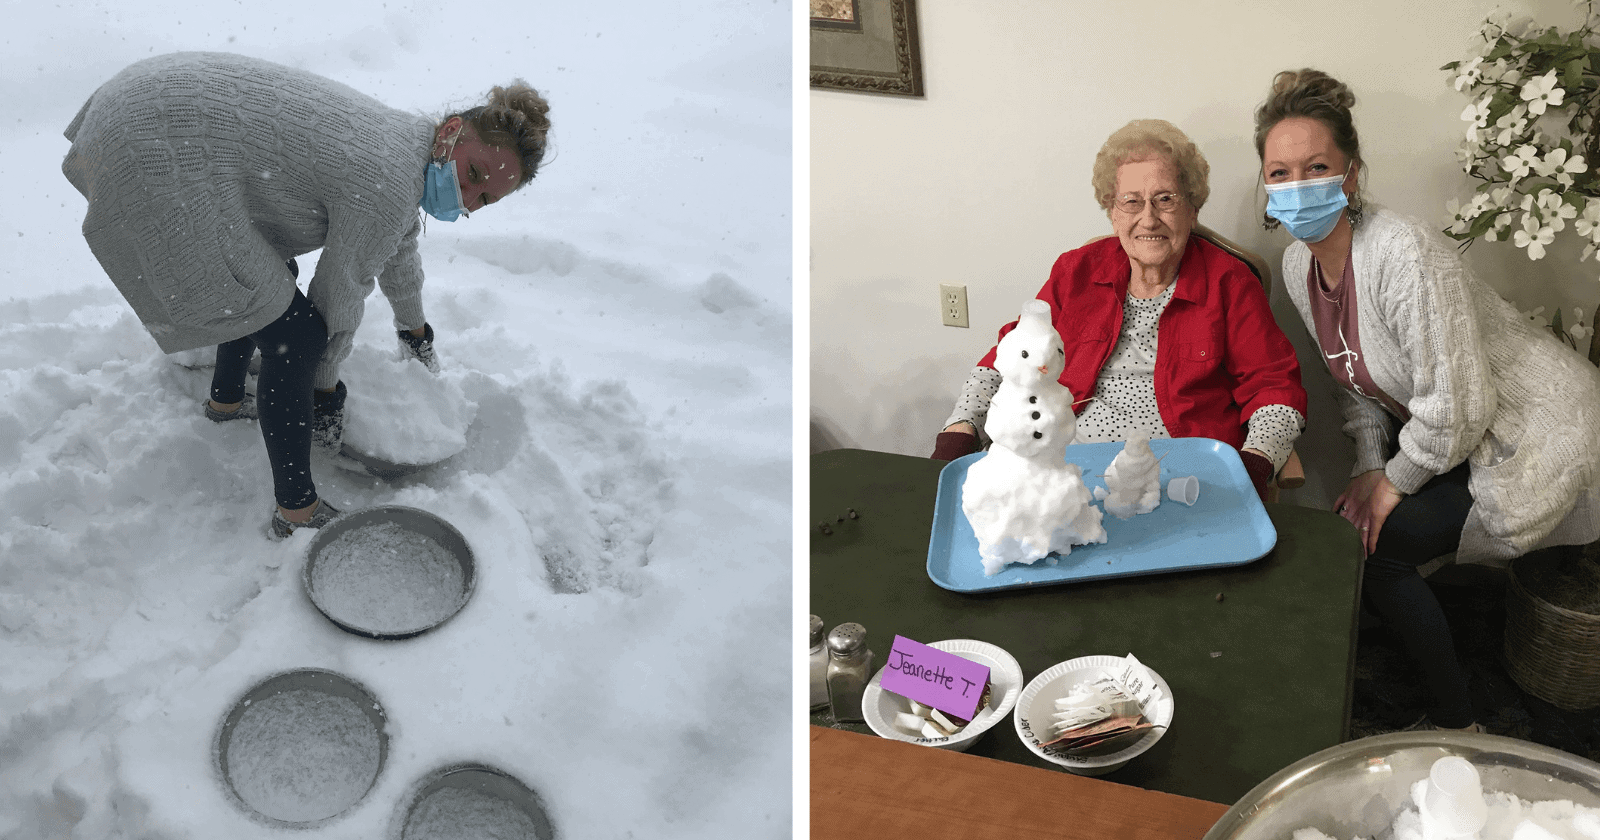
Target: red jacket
{"x":1219,"y":353}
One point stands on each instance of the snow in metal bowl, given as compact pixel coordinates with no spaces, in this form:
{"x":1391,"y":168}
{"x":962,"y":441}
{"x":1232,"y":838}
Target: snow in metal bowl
{"x":472,"y":801}
{"x":389,"y":572}
{"x":880,"y":707}
{"x":1037,"y":705}
{"x":301,"y":747}
{"x":1362,"y":787}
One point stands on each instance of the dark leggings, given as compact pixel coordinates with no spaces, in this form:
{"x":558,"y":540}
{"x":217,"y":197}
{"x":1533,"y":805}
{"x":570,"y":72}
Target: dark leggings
{"x":290,"y":349}
{"x":1423,"y":526}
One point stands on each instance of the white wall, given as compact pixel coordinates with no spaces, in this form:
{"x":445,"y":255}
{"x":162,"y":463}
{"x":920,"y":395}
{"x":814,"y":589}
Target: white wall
{"x":986,"y":180}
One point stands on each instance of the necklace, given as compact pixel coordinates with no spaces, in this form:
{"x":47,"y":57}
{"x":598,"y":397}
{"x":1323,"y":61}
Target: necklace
{"x":1316,"y":267}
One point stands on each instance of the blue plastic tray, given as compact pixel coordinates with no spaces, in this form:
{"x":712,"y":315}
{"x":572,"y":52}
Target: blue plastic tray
{"x":1227,"y":526}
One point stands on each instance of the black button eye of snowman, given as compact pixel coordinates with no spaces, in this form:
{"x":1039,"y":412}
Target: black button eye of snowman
{"x":1024,"y":354}
{"x":1062,"y":351}
{"x":1033,"y":399}
{"x":1037,"y":435}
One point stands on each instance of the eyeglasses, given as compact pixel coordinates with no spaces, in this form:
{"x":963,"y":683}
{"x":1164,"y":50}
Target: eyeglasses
{"x":1133,"y":205}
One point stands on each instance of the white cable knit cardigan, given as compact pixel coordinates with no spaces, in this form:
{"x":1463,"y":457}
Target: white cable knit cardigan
{"x":206,"y":171}
{"x":1482,"y":385}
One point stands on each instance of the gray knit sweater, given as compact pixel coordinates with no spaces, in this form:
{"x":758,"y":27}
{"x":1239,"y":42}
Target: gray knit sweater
{"x":206,"y":171}
{"x":1482,"y":385}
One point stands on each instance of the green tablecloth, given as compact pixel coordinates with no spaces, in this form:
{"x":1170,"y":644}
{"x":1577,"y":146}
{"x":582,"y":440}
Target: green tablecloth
{"x":1259,"y":679}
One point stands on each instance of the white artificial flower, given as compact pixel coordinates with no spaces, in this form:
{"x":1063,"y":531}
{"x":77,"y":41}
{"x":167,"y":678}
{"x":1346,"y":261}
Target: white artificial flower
{"x":1579,"y":331}
{"x":1589,"y":225}
{"x":1520,"y":162}
{"x":1501,"y":71}
{"x":1460,"y":223}
{"x":1536,"y":317}
{"x":1494,"y":25}
{"x":1501,"y":196}
{"x":1541,"y":93}
{"x":1469,"y":73}
{"x":1533,"y":236}
{"x":1511,"y":124}
{"x":1557,"y":164}
{"x":1555,"y":211}
{"x":1476,"y":115}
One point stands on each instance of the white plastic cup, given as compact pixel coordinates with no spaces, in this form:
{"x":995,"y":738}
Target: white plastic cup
{"x":1453,"y":804}
{"x":1185,"y":489}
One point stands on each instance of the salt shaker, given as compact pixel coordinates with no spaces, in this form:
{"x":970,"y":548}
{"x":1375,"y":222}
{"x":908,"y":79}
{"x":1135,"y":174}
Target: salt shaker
{"x":819,"y":666}
{"x":849,"y":668}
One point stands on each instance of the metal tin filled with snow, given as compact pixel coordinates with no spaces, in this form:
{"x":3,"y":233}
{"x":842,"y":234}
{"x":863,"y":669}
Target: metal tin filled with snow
{"x":302,"y":747}
{"x":389,"y":572}
{"x":472,"y":802}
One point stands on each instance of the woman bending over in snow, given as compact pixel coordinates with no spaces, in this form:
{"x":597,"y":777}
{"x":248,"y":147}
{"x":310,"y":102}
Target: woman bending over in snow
{"x":1475,"y":432}
{"x":1170,"y":335}
{"x":207,"y":173}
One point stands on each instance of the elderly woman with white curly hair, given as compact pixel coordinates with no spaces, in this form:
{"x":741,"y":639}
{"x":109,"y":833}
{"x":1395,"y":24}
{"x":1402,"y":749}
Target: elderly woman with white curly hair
{"x":1167,"y":333}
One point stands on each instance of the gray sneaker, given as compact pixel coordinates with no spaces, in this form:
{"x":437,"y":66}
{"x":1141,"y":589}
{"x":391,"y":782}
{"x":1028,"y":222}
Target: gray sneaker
{"x":282,"y":528}
{"x":245,"y":411}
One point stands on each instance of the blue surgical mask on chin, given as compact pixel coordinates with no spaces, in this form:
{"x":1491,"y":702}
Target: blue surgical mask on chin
{"x":1308,"y":209}
{"x":441,"y":192}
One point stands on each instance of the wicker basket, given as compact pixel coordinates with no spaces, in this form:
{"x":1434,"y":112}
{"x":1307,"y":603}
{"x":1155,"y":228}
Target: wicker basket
{"x":1552,"y":652}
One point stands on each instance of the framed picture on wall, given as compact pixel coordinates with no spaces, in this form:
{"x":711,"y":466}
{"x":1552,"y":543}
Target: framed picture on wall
{"x":869,"y":46}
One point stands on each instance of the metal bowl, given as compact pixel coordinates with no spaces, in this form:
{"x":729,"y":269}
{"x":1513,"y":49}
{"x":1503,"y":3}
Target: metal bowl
{"x":236,"y":759}
{"x":411,"y":519}
{"x":467,"y":785}
{"x":1358,"y":788}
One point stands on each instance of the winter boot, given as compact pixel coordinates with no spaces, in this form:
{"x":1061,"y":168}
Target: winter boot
{"x":327,"y":420}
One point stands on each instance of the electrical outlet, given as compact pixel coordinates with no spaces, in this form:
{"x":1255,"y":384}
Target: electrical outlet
{"x":953,"y":305}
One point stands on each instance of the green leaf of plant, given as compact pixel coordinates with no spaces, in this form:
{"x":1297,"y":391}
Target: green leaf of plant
{"x":1480,"y":226}
{"x":1572,"y":76}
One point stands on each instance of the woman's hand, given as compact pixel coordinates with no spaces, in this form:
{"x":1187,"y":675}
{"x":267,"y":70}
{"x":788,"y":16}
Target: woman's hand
{"x":1367,"y":503}
{"x":958,"y":439}
{"x":418,"y":344}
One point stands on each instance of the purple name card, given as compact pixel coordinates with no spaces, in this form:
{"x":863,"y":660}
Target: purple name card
{"x":934,"y":678}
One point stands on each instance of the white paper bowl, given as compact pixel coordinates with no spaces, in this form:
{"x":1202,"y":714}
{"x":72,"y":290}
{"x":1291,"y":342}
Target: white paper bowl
{"x":1005,"y":676}
{"x":1038,"y":703}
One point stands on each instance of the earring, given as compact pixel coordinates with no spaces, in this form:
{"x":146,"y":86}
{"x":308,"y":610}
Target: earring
{"x":1268,"y":223}
{"x":1356,"y":208}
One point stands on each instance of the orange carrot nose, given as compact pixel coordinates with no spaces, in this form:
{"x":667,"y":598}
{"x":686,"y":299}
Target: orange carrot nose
{"x":1042,"y":369}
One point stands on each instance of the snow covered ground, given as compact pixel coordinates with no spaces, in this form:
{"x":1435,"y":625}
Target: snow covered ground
{"x":622,"y":327}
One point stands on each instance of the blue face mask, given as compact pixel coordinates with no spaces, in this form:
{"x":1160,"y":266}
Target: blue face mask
{"x":441,"y":192}
{"x":1309,"y":209}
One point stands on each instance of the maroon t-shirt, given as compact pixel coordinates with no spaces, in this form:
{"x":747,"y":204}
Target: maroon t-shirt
{"x":1340,"y":336}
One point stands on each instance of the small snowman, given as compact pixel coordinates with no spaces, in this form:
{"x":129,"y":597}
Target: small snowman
{"x":1133,"y":481}
{"x":1023,"y":499}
